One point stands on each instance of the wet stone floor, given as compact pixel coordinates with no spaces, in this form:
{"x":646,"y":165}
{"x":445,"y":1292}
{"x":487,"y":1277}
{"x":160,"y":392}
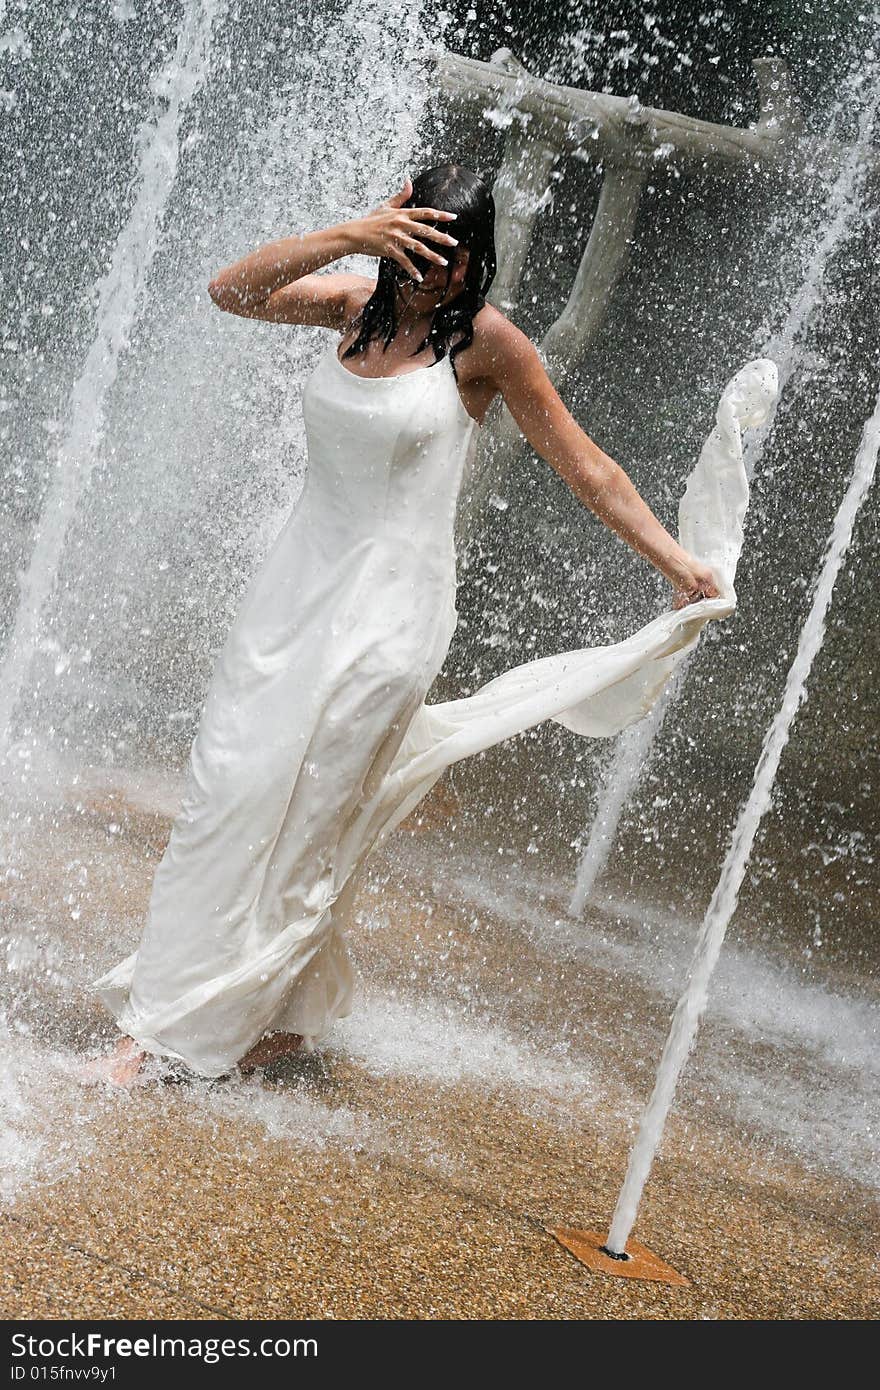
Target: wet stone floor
{"x":485,"y":1088}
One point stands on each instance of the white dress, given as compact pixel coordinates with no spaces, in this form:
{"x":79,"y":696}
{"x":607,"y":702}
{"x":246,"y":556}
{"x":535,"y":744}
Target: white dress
{"x":314,"y":740}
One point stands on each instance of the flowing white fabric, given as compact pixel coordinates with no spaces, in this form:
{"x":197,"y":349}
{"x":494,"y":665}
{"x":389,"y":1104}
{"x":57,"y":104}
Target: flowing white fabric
{"x":314,"y":740}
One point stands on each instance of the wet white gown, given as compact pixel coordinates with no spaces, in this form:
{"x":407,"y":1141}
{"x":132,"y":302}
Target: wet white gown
{"x":314,"y":740}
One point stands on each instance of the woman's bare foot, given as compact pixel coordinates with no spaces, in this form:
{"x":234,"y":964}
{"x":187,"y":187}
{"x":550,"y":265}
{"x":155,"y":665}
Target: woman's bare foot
{"x":270,"y":1047}
{"x":120,"y":1067}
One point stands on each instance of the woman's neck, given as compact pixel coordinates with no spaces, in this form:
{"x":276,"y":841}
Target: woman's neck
{"x":413,"y":321}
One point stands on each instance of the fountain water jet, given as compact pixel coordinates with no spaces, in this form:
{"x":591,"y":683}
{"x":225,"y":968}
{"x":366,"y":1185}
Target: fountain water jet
{"x":120,"y":294}
{"x":634,"y":747}
{"x":692,"y":1003}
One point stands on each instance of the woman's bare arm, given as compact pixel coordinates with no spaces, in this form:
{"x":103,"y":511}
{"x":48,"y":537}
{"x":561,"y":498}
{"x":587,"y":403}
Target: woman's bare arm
{"x":511,"y":361}
{"x":277,"y":281}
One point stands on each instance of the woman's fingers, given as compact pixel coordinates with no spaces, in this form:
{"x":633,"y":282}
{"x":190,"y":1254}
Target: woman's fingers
{"x":700,"y":584}
{"x":431,"y":214}
{"x":434,"y":233}
{"x":422,"y":250}
{"x":403,"y":259}
{"x":704,"y":579}
{"x":684,"y":597}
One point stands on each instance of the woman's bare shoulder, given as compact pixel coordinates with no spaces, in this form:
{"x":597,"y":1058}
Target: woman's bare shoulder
{"x":497,"y":343}
{"x":359,"y":289}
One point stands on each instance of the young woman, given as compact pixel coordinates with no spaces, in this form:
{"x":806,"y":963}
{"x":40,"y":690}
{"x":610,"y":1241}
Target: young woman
{"x":344,"y":627}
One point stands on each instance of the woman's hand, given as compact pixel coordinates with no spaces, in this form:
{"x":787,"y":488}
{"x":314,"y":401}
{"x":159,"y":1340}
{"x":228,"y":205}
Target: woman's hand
{"x":693,"y":582}
{"x":392,"y":230}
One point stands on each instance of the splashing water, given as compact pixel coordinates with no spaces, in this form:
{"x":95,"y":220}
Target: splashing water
{"x":632,"y":751}
{"x":630,"y":756}
{"x":163,"y":383}
{"x":724,"y":900}
{"x":120,"y":294}
{"x":201,"y":448}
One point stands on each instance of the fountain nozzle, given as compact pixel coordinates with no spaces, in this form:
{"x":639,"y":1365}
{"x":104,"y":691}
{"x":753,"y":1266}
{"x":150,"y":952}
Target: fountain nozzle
{"x":636,"y":1262}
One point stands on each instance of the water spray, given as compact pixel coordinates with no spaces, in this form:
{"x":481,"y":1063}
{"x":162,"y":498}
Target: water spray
{"x":120,"y":295}
{"x":604,"y":1253}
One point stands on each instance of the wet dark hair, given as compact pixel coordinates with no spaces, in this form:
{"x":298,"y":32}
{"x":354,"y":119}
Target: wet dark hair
{"x":450,"y":188}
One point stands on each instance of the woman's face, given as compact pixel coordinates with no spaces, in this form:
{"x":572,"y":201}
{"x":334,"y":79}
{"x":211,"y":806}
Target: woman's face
{"x":429,"y":293}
